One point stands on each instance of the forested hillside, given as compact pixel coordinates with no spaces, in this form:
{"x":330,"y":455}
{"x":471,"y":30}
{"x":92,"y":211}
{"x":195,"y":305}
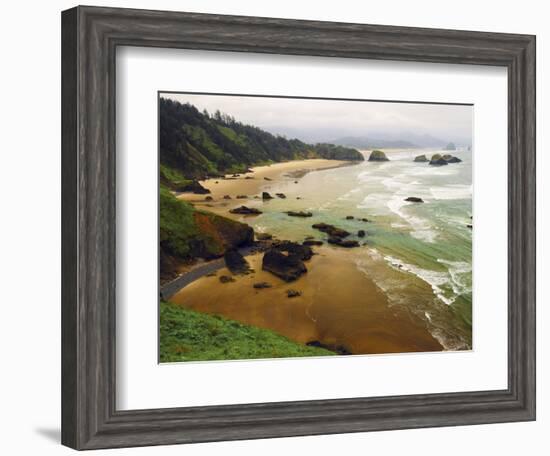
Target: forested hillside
{"x":198,"y":144}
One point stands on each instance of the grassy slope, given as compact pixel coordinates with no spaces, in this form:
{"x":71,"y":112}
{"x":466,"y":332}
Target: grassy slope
{"x":187,"y":233}
{"x":186,"y":335}
{"x":177,"y":226}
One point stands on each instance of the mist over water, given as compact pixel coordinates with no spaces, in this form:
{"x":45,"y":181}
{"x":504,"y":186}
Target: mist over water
{"x":419,"y":254}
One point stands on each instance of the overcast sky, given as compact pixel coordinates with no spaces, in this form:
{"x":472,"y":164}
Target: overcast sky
{"x":323,"y":120}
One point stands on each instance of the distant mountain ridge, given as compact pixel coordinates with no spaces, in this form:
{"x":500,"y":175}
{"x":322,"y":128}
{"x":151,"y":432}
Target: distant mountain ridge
{"x":397,"y":141}
{"x":198,"y":144}
{"x":372,"y":143}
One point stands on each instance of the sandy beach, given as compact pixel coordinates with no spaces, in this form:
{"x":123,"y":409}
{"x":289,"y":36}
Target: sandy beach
{"x":339,"y":305}
{"x":251,"y":184}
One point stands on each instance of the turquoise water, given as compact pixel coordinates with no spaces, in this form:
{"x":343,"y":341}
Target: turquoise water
{"x":420,"y":255}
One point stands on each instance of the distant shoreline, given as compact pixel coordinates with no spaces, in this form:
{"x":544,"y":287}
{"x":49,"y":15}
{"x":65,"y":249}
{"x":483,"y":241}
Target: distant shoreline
{"x":259,"y":180}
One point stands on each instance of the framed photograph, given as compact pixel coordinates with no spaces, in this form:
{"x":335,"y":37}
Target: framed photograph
{"x":280,"y":228}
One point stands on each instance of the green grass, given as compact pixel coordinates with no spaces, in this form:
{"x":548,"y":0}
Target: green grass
{"x":186,"y":335}
{"x":177,"y":225}
{"x":173,"y":176}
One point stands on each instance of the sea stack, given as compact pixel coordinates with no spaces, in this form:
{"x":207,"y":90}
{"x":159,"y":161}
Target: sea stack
{"x":378,"y":155}
{"x":438,"y":160}
{"x":421,"y":159}
{"x":450,"y":146}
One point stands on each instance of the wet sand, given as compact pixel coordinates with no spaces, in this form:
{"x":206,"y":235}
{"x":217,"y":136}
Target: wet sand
{"x":291,"y":171}
{"x":339,"y":305}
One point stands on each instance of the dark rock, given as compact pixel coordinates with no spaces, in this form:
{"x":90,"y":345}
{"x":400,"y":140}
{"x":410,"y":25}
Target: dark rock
{"x":226,"y":279}
{"x":191,"y":187}
{"x":249,"y":177}
{"x":264,"y":236}
{"x":242,"y":196}
{"x":245,"y":210}
{"x":340,"y":349}
{"x":303,"y":252}
{"x":293,"y":293}
{"x":261,"y":285}
{"x":414,"y":199}
{"x":343,"y":242}
{"x":217,"y":182}
{"x":208,"y":198}
{"x":312,"y":242}
{"x":286,"y":267}
{"x":235,"y":262}
{"x":421,"y":159}
{"x":267,"y":179}
{"x":469,"y":226}
{"x":295,"y":182}
{"x":299,"y":214}
{"x":361,"y":233}
{"x":298,"y":198}
{"x":378,"y":155}
{"x":365,"y":220}
{"x":226,"y":197}
{"x":266,"y":196}
{"x":438,"y":160}
{"x":236,"y":175}
{"x":349,"y":217}
{"x":454,"y":160}
{"x":281,"y":195}
{"x":331,"y":230}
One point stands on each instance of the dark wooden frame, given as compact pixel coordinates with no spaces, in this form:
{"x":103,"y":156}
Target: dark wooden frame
{"x":90,"y":36}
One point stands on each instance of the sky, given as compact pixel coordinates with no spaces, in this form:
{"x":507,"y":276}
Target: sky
{"x":315,"y":120}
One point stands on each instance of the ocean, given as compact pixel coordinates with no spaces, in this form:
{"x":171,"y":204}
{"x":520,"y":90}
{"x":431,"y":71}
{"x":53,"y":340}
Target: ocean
{"x":418,"y":254}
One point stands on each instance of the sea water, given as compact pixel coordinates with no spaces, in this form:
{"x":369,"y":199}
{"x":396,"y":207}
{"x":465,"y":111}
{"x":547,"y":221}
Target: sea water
{"x":409,"y":247}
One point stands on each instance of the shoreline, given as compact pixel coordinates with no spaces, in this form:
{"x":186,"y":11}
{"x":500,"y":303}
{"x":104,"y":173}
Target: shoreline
{"x":253,"y":183}
{"x":363,"y":326}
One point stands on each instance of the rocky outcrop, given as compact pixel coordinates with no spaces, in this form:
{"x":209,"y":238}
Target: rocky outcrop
{"x":264,"y":236}
{"x":312,"y":242}
{"x":266,"y":196}
{"x":235,"y":262}
{"x":414,"y":199}
{"x":331,"y":230}
{"x":281,"y":195}
{"x":299,"y":214}
{"x":349,"y":217}
{"x":454,"y":160}
{"x":261,"y":285}
{"x":421,"y":159}
{"x":347,"y":243}
{"x":340,"y":349}
{"x":208,"y":198}
{"x":190,"y":187}
{"x":285,"y":266}
{"x":226,"y":197}
{"x":438,"y":160}
{"x":218,"y":234}
{"x":361,"y":233}
{"x":243,"y":210}
{"x":303,"y":252}
{"x":293,"y":293}
{"x":378,"y":155}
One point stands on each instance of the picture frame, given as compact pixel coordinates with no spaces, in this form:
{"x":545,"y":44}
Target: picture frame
{"x":90,"y":36}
